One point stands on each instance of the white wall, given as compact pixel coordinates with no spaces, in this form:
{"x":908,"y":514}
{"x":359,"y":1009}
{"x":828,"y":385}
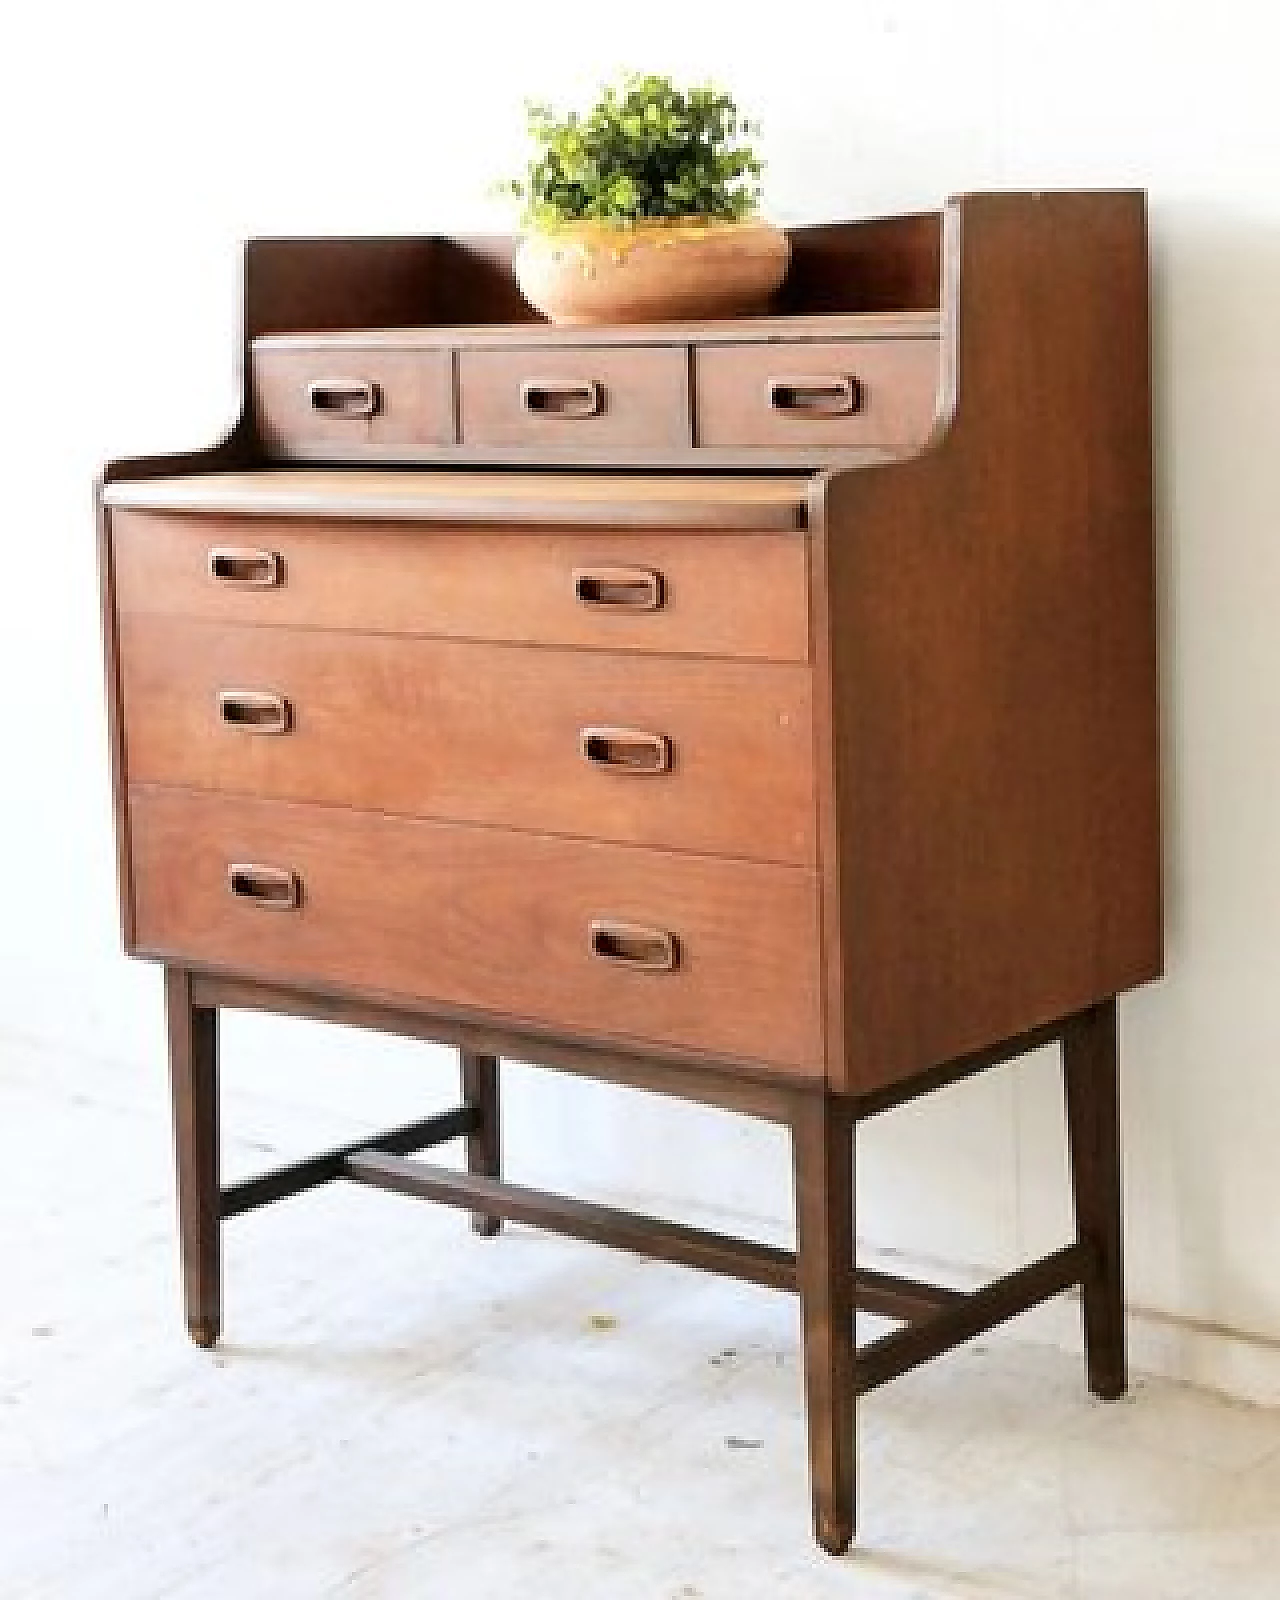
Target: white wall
{"x":143,"y":141}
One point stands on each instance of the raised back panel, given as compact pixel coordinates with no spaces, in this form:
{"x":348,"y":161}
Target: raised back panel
{"x":475,"y":284}
{"x":317,"y":285}
{"x":889,"y":264}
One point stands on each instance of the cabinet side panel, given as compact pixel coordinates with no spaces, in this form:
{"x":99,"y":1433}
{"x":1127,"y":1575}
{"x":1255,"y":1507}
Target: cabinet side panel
{"x":995,"y":760}
{"x":822,"y":613}
{"x":115,"y":720}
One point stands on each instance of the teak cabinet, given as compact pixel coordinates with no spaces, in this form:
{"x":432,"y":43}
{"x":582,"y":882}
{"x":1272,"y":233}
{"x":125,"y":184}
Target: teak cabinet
{"x":760,"y":712}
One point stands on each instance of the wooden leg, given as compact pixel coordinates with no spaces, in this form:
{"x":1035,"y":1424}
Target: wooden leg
{"x":193,"y":1072}
{"x":484,"y":1146}
{"x":822,"y":1143}
{"x":1093,"y":1132}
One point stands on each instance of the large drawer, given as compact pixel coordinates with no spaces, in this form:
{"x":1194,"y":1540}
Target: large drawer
{"x":682,"y":951}
{"x":713,"y":756}
{"x":350,"y":402}
{"x":575,"y":400}
{"x":729,"y":594}
{"x":878,"y":393}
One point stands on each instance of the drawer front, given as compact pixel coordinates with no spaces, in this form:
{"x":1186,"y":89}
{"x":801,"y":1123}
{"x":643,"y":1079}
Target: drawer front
{"x":575,"y":400}
{"x":705,"y":594}
{"x":632,"y":945}
{"x":879,"y":393}
{"x":713,"y":756}
{"x":347,"y":402}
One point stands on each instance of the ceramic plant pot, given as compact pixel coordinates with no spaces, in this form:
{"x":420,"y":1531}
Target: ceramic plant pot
{"x":593,"y":272}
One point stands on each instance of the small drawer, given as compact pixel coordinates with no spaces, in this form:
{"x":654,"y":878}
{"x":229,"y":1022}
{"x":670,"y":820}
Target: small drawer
{"x":714,"y":756}
{"x":575,"y":400}
{"x":680,"y":951}
{"x":336,"y":401}
{"x":718,"y":594}
{"x":865,"y":392}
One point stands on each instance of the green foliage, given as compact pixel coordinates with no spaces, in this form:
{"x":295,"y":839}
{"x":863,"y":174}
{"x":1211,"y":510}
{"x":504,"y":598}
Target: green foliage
{"x":645,"y":150}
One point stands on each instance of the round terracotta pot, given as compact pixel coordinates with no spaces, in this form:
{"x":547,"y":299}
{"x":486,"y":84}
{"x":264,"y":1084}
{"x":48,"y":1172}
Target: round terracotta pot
{"x":593,"y":272}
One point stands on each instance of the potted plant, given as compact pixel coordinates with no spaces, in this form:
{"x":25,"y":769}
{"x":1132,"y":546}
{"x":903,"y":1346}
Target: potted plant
{"x":643,"y":209}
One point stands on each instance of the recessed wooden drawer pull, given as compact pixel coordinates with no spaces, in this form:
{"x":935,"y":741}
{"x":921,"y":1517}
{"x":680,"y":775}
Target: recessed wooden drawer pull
{"x":809,"y":397}
{"x":628,"y":944}
{"x":552,"y":397}
{"x":259,"y":569}
{"x":255,"y":711}
{"x":626,"y":588}
{"x":345,"y":397}
{"x":626,"y":750}
{"x":272,"y":888}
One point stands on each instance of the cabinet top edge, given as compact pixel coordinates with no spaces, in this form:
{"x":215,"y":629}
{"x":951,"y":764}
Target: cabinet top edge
{"x":601,"y":499}
{"x":743,"y":330}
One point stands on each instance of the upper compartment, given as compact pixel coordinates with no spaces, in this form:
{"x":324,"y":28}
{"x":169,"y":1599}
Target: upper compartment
{"x":422,"y":350}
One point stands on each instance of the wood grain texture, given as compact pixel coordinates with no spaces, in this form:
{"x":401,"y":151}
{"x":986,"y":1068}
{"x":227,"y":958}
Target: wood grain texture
{"x":475,"y":282}
{"x":942,"y":1317}
{"x":975,"y":597}
{"x":414,"y":391}
{"x":479,"y":732}
{"x":193,"y":1075}
{"x":970,"y":1315}
{"x":643,"y":396}
{"x":325,"y":283}
{"x":233,"y":451}
{"x":877,"y":264}
{"x":739,"y":595}
{"x":1090,"y":1079}
{"x":732,"y":1085}
{"x":946,"y":1073}
{"x":896,"y":381}
{"x":460,"y":294}
{"x":990,"y":632}
{"x":822,"y":1137}
{"x":482,"y":1092}
{"x":507,"y":498}
{"x":484,"y":918}
{"x":327,"y":1166}
{"x":115,"y":716}
{"x":579,"y":1219}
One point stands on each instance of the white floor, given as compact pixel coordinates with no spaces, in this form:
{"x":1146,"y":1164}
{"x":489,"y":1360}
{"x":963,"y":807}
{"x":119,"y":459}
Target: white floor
{"x":400,"y":1410}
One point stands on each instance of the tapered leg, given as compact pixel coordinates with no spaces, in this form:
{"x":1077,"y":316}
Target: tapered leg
{"x":193,"y":1072}
{"x":1093,"y":1131}
{"x":822,"y":1143}
{"x":484,"y":1146}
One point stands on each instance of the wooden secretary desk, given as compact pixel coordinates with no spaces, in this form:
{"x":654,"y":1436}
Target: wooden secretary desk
{"x":759,"y":712}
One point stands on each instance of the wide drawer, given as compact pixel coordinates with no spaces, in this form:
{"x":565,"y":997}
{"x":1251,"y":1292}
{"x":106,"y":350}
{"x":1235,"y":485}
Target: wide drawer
{"x":575,"y":400}
{"x":707,"y":594}
{"x":349,"y":402}
{"x":681,"y":951}
{"x":847,"y":392}
{"x":713,"y":756}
